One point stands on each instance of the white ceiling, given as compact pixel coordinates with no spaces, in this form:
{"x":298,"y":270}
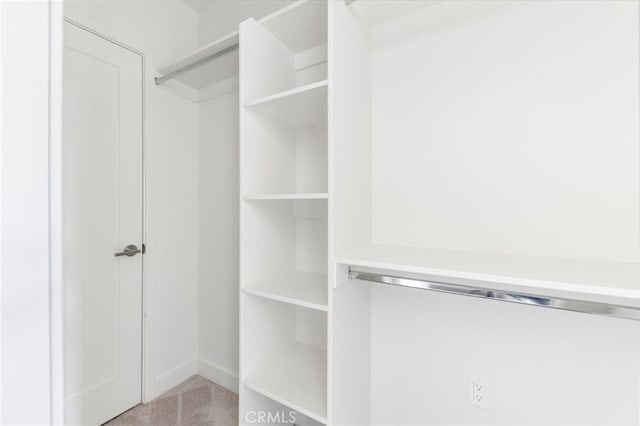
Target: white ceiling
{"x":199,"y":5}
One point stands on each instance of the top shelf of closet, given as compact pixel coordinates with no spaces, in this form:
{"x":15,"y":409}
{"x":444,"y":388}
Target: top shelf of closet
{"x":611,"y":282}
{"x":393,"y":20}
{"x":300,"y":26}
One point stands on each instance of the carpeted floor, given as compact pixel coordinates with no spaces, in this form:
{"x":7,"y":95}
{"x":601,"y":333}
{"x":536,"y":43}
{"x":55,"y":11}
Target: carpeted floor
{"x":195,"y":401}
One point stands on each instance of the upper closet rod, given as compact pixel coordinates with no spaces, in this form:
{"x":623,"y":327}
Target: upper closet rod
{"x":201,"y":61}
{"x":565,"y":304}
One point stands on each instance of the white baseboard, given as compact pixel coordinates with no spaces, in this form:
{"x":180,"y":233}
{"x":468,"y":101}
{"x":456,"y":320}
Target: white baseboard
{"x":218,"y":374}
{"x":175,"y":376}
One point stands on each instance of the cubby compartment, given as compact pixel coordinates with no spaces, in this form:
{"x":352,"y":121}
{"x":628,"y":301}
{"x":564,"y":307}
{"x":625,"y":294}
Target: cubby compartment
{"x":284,"y":149}
{"x":284,"y":251}
{"x":284,"y":354}
{"x":280,"y":161}
{"x":288,"y":48}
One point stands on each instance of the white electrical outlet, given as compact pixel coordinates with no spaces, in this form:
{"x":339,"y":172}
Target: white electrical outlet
{"x":478,"y":392}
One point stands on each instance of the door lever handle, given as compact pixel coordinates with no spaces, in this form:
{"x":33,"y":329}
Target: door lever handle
{"x":130,"y":250}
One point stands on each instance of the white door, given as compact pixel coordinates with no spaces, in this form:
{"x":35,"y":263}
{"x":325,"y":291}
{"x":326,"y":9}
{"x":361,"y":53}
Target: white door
{"x":102,"y":206}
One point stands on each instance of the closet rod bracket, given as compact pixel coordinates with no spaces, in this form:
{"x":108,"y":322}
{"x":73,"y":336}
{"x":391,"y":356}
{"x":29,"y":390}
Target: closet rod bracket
{"x":353,"y":275}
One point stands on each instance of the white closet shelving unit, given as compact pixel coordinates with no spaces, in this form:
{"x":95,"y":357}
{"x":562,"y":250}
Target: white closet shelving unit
{"x":283,"y":215}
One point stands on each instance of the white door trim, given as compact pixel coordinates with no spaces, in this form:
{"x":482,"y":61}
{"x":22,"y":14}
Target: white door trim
{"x":149,"y":188}
{"x":56,"y":297}
{"x":28,"y":134}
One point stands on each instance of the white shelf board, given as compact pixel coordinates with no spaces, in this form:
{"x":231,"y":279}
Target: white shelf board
{"x":300,"y":288}
{"x":393,"y":20}
{"x":610,"y":282}
{"x":220,"y":69}
{"x":295,"y":376}
{"x":302,"y":107}
{"x":306,"y":196}
{"x":376,"y":12}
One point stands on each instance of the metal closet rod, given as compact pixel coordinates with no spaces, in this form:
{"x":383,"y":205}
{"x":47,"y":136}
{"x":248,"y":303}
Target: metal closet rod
{"x":196,"y":64}
{"x":574,"y":305}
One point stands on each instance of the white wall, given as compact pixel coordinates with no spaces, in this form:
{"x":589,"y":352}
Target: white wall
{"x":218,"y":239}
{"x":544,"y":367}
{"x":223,"y":16}
{"x":515,"y":131}
{"x":169,"y":29}
{"x":502,"y":137}
{"x":25,"y":368}
{"x":177,"y":238}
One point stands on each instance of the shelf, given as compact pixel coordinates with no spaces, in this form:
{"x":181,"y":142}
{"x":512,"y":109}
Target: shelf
{"x":382,"y":11}
{"x":308,"y":196}
{"x":393,"y":20}
{"x":295,"y":376}
{"x":300,"y":288}
{"x":260,"y":403}
{"x":220,"y":69}
{"x":301,"y":107}
{"x":611,"y":282}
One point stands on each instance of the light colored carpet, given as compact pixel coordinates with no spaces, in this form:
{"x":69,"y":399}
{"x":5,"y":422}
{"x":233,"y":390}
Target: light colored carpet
{"x":195,"y":401}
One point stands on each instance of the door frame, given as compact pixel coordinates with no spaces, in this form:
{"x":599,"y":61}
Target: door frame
{"x":149,"y":155}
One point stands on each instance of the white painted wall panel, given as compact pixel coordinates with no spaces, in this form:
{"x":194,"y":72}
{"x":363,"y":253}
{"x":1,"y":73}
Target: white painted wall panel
{"x":218,"y":234}
{"x":544,"y":366}
{"x":514,"y":131}
{"x":25,"y":357}
{"x":177,"y":219}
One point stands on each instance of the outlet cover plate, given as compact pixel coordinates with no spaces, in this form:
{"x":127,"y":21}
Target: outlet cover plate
{"x":478,"y":391}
